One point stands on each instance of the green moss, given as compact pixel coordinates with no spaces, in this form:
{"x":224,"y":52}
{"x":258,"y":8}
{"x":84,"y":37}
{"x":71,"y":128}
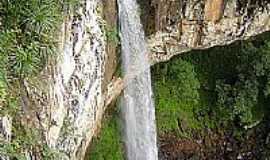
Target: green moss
{"x":108,"y":145}
{"x":112,"y":34}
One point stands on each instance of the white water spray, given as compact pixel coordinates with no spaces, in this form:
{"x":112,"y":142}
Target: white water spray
{"x":137,"y":103}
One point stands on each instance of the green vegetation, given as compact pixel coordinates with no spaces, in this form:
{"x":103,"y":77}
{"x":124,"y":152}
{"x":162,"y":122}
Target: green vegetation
{"x":223,"y":87}
{"x":108,"y":145}
{"x":24,"y":139}
{"x":176,"y":91}
{"x":112,"y":34}
{"x":27,"y":40}
{"x":26,"y":34}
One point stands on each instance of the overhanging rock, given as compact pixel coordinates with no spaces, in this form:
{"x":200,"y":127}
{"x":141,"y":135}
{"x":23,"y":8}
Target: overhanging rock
{"x":184,"y":25}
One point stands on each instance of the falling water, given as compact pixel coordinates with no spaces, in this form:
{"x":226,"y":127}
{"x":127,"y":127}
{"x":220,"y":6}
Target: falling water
{"x":137,"y":103}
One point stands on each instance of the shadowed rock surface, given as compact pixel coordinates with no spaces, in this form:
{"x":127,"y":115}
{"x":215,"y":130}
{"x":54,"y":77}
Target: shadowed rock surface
{"x":71,"y":94}
{"x":180,"y":25}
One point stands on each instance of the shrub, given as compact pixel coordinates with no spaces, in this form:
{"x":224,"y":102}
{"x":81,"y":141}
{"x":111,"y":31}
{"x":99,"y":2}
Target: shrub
{"x":176,"y":94}
{"x":222,"y":87}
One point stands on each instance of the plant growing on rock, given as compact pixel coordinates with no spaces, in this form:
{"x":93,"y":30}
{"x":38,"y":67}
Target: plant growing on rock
{"x":27,"y":40}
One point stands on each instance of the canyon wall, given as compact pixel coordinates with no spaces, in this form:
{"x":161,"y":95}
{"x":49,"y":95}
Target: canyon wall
{"x":72,"y":93}
{"x":181,"y":25}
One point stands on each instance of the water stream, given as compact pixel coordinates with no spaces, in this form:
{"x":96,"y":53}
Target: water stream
{"x":137,"y":101}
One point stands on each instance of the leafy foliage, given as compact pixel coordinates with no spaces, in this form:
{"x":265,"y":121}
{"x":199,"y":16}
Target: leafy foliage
{"x":27,"y":40}
{"x":244,"y":98}
{"x":176,"y":93}
{"x":221,"y":87}
{"x":27,"y":34}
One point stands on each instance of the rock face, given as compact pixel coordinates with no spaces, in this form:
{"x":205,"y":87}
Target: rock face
{"x":214,"y":10}
{"x":77,"y":91}
{"x":74,"y":90}
{"x":5,"y":132}
{"x":184,"y":25}
{"x":67,"y":97}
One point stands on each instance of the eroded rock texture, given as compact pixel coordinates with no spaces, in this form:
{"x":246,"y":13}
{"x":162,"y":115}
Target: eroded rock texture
{"x":67,"y":101}
{"x":182,"y":25}
{"x":73,"y":91}
{"x":82,"y":82}
{"x":78,"y":80}
{"x":5,"y":132}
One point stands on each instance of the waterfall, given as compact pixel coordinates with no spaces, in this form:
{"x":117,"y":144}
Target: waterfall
{"x":137,"y":102}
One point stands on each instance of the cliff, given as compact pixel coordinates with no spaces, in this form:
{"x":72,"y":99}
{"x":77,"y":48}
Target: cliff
{"x":67,"y":100}
{"x":180,"y":26}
